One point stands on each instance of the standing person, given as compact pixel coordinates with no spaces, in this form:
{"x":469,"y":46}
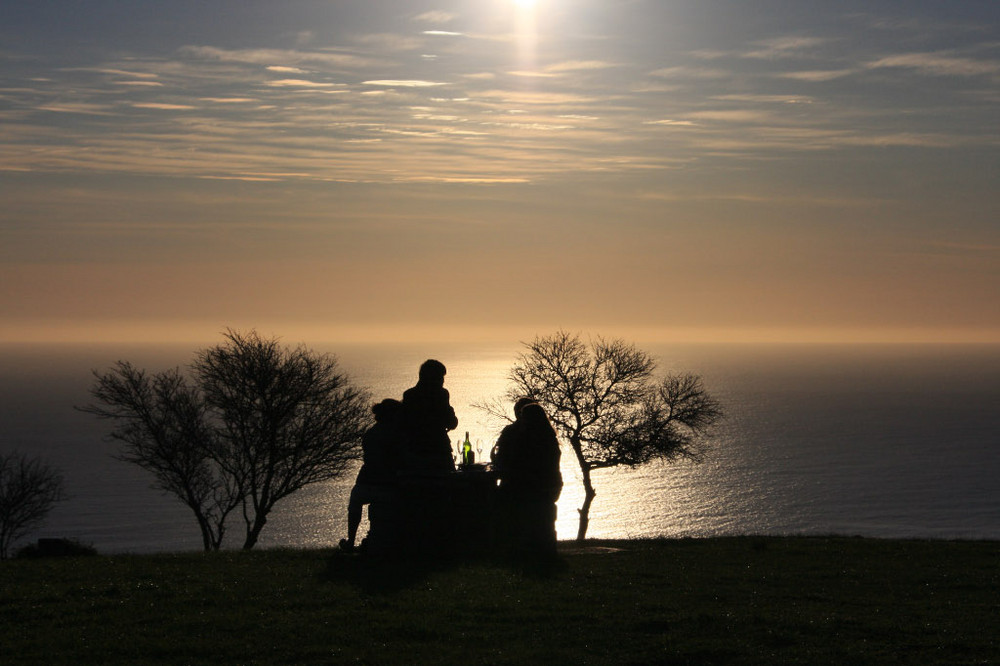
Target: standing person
{"x":530,"y":483}
{"x":382,"y":446}
{"x":429,"y":417}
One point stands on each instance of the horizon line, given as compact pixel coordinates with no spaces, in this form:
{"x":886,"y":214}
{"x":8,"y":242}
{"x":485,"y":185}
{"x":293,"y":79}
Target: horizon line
{"x":294,"y":332}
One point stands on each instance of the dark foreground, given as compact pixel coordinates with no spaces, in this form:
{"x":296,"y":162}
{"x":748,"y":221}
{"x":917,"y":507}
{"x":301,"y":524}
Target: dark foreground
{"x":717,"y":601}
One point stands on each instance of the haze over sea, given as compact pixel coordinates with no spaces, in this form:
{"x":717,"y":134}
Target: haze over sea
{"x":870,"y":440}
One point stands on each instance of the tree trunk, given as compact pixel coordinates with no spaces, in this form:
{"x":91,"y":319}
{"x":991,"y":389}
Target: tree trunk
{"x":206,"y":531}
{"x":588,"y":491}
{"x":253,"y":531}
{"x":191,"y":501}
{"x":584,"y":511}
{"x":217,"y":536}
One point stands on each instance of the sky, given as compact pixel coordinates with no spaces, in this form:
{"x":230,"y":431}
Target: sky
{"x":788,"y":170}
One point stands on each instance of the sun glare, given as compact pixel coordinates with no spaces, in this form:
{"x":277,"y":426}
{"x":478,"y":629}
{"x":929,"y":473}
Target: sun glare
{"x":526,"y":31}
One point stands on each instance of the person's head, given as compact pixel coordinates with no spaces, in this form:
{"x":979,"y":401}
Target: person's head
{"x":533,"y":416}
{"x":387,"y":411}
{"x":520,"y":404}
{"x":432,"y":372}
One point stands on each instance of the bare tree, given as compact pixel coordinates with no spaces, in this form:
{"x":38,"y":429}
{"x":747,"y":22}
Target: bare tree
{"x":288,"y":418}
{"x":604,"y":399}
{"x":166,"y":429}
{"x":257,"y":422}
{"x":29,"y":488}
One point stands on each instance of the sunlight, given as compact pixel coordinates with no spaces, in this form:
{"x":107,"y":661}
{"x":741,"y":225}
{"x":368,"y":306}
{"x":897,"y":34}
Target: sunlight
{"x":527,"y":33}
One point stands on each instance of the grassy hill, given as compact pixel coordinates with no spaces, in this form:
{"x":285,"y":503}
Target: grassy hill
{"x":743,"y":600}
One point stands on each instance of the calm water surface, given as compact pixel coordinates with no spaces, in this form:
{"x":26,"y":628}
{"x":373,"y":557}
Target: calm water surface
{"x":883,"y":441}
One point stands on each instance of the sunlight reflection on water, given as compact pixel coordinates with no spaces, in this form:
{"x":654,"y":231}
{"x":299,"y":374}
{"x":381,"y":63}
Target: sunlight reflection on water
{"x":851,"y":440}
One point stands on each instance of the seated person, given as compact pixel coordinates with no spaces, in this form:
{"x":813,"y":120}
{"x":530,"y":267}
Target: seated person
{"x":509,"y":435}
{"x":382,"y":446}
{"x":527,"y":466}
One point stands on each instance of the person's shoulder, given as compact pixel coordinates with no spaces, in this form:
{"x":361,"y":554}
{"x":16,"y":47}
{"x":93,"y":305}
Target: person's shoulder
{"x":510,"y":430}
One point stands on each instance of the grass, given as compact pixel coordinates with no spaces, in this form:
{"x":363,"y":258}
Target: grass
{"x":748,"y":600}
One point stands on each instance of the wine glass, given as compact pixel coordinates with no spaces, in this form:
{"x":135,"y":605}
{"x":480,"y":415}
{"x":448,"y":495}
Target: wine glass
{"x":479,"y":450}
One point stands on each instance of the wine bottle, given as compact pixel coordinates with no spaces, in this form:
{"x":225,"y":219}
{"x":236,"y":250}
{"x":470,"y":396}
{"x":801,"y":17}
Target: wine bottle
{"x":467,"y":456}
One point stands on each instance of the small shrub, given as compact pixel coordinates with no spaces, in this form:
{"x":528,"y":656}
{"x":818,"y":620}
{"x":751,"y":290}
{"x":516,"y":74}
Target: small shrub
{"x":56,"y":548}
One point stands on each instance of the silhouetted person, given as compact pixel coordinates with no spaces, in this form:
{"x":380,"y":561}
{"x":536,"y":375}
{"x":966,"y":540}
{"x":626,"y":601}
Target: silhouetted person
{"x":429,"y":416}
{"x":508,"y":434}
{"x":527,"y":465}
{"x":382,"y":446}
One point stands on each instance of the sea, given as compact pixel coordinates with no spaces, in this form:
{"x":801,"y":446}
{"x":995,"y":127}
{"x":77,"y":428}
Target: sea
{"x":884,"y":441}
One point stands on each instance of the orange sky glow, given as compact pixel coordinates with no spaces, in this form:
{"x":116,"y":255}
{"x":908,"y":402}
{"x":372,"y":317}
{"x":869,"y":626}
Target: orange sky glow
{"x":490,"y":171}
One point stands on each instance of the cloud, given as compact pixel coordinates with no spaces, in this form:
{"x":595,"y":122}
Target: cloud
{"x":532,"y":74}
{"x":229,"y":100}
{"x":129,"y":73}
{"x":162,"y":106}
{"x":402,"y":83}
{"x":301,"y":83}
{"x":937,"y":64}
{"x":530,"y":98}
{"x":709,"y":54}
{"x":680,"y":123}
{"x":766,"y":99}
{"x":304,"y":37}
{"x":784,"y":47}
{"x":435,"y":17}
{"x":771,"y":135}
{"x":849,"y":202}
{"x":686,"y":72}
{"x":80,"y":107}
{"x":268,"y":57}
{"x":266,"y":113}
{"x":910,"y":139}
{"x":578,"y":65}
{"x":387,"y":42}
{"x":733,"y":116}
{"x":286,"y":70}
{"x":818,"y":75}
{"x":656,"y":88}
{"x":923,"y":26}
{"x":463,"y":180}
{"x":247,"y":178}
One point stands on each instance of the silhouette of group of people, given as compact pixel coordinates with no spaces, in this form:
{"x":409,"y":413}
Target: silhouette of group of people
{"x":410,"y":437}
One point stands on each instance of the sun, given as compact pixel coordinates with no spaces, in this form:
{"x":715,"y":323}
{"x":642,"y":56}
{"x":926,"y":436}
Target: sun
{"x":526,"y":29}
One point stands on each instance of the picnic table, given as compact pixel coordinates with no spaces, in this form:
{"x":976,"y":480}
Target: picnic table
{"x":436,"y":513}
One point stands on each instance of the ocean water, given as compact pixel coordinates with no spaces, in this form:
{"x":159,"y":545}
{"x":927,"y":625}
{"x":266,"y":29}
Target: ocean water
{"x":878,"y":441}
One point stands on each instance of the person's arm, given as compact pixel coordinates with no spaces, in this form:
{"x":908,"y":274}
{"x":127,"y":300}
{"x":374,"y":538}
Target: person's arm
{"x":501,"y":461}
{"x":450,"y":419}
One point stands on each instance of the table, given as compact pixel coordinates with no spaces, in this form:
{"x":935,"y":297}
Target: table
{"x":436,"y":514}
